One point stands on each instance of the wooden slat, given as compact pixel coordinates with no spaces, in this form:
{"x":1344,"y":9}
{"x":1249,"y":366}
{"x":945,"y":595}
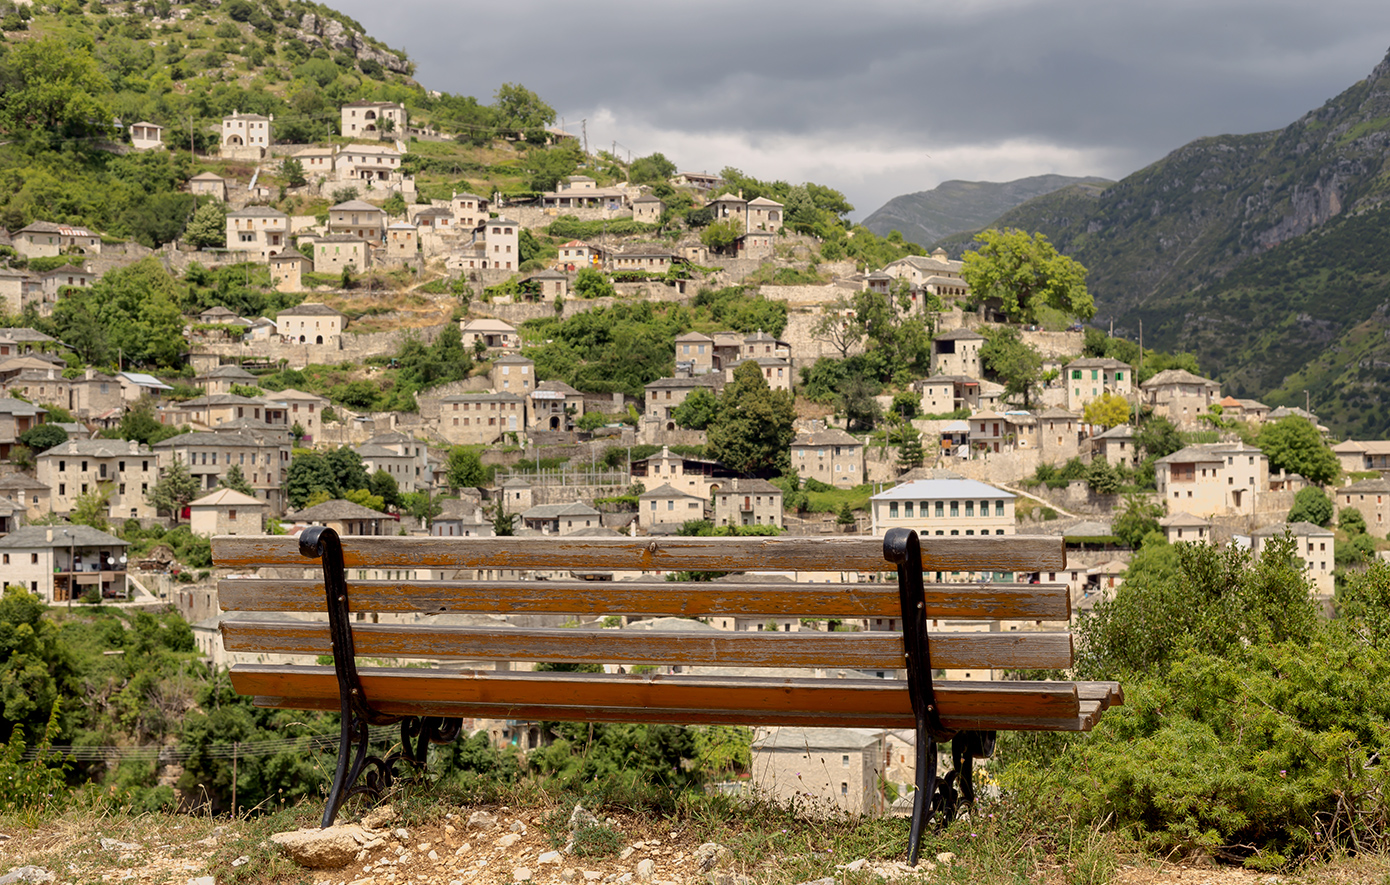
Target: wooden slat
{"x":869,"y":651}
{"x":678,"y":699}
{"x":1045,"y":602}
{"x":999,"y":553}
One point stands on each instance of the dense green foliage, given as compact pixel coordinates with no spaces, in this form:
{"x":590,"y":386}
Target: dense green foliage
{"x":752,"y":431}
{"x":1025,"y":274}
{"x":1311,"y":504}
{"x":1294,"y":444}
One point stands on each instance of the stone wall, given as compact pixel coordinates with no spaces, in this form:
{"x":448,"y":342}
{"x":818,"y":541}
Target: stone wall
{"x":346,"y":348}
{"x":538,"y":216}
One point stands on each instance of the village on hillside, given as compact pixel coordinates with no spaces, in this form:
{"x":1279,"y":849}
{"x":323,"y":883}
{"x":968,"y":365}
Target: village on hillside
{"x":111,"y":482}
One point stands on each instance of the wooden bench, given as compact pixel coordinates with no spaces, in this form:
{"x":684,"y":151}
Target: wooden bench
{"x":428,"y":703}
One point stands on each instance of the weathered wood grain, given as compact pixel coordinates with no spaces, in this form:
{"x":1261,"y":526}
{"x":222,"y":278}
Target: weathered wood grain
{"x":1000,"y":553}
{"x":677,"y":699}
{"x":1043,"y":602}
{"x":869,"y":651}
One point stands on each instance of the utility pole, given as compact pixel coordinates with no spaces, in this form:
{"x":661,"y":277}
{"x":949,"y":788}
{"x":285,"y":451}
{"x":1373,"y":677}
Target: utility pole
{"x":584,"y":128}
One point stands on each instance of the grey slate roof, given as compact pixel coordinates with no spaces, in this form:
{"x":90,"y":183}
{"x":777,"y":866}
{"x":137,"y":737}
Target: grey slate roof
{"x":31,"y":536}
{"x":336,"y":509}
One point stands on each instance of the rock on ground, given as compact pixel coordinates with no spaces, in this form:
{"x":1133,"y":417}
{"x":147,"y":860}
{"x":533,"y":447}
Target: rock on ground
{"x":323,"y":849}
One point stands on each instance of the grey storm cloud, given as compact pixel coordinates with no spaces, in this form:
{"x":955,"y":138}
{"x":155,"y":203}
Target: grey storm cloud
{"x":1114,"y":84}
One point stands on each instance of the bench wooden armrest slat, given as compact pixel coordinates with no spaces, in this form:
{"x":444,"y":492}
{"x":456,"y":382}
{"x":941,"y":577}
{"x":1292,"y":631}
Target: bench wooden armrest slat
{"x":995,"y":553}
{"x":867,"y":651}
{"x":872,"y":703}
{"x":1042,"y":602}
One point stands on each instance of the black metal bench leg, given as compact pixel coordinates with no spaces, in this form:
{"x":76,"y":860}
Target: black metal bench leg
{"x":902,"y":547}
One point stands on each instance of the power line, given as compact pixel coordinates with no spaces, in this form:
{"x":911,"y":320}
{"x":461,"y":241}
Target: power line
{"x":176,"y":754}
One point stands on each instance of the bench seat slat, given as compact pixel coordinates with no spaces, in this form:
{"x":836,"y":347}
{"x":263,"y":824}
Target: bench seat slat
{"x":868,"y":651}
{"x":994,"y":553}
{"x":1043,"y":602}
{"x":678,"y":699}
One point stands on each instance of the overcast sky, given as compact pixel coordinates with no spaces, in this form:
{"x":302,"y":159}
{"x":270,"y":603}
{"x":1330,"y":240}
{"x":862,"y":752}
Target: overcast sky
{"x":878,"y":98}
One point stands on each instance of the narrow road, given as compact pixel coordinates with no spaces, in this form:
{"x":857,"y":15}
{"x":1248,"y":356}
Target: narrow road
{"x":1018,"y":491}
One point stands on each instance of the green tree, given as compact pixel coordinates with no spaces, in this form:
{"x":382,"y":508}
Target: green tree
{"x":698,"y":411}
{"x":1102,"y":478}
{"x":519,"y":108}
{"x":1352,"y":522}
{"x":395,"y":205}
{"x":52,"y":87}
{"x":1311,"y":504}
{"x":910,"y":453}
{"x":839,"y":326}
{"x":208,"y":227}
{"x":1018,"y":366}
{"x":754,"y":432}
{"x":139,"y":424}
{"x":465,"y":468}
{"x":43,"y":437}
{"x":651,"y":170}
{"x":1137,"y":522}
{"x":1157,"y":437}
{"x":1026,"y":273}
{"x":899,"y":340}
{"x":292,"y":171}
{"x":91,"y":508}
{"x":175,"y":488}
{"x":37,"y":666}
{"x":593,"y":283}
{"x":235,"y":480}
{"x":721,"y":235}
{"x":846,"y":515}
{"x":858,"y":401}
{"x":348,"y":470}
{"x":503,"y":523}
{"x":1108,"y":410}
{"x":1292,"y":443}
{"x":384,"y":488}
{"x":133,"y":309}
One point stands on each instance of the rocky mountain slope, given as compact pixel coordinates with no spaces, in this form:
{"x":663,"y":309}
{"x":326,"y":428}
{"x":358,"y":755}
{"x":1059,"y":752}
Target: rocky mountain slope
{"x":953,"y":206}
{"x":1257,"y":252}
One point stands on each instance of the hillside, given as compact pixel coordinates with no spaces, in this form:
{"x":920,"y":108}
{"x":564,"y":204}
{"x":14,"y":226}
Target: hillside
{"x":954,"y":206}
{"x":1258,"y":252}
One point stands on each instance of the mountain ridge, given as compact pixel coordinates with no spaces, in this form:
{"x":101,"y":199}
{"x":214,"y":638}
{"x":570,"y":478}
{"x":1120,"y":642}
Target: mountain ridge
{"x":957,"y":205}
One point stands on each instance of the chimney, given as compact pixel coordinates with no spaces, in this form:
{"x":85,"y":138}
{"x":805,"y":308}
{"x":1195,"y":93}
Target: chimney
{"x":48,"y":535}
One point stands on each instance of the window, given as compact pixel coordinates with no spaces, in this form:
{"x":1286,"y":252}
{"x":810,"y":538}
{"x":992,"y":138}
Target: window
{"x":969,"y":509}
{"x":844,"y":761}
{"x":892,"y":509}
{"x":34,"y":559}
{"x":940,"y":509}
{"x":955,"y":510}
{"x":998,"y":508}
{"x":907,"y":509}
{"x":231,"y":515}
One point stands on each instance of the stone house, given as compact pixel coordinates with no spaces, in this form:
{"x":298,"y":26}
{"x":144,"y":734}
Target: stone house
{"x":667,"y":505}
{"x":64,"y":562}
{"x":495,"y":334}
{"x":357,"y":218}
{"x":943,"y":394}
{"x":311,"y":323}
{"x":755,"y":245}
{"x":223,"y":409}
{"x":642,"y":260}
{"x":1087,"y":379}
{"x":346,"y":518}
{"x":226,"y":512}
{"x":647,"y":209}
{"x":368,"y":162}
{"x":957,"y":352}
{"x":694,"y":353}
{"x":421,"y":472}
{"x":1371,"y":497}
{"x":764,"y":214}
{"x":825,"y":770}
{"x":513,"y":373}
{"x":79,"y":466}
{"x":17,"y":417}
{"x":1210,"y":480}
{"x":919,"y":270}
{"x":246,"y":136}
{"x":460,"y":519}
{"x":27,"y":492}
{"x":365,"y":119}
{"x":402,"y":242}
{"x":39,"y":239}
{"x":262,"y":456}
{"x":700,"y":181}
{"x":135,"y":386}
{"x":555,"y":406}
{"x":944,"y":507}
{"x":332,"y":254}
{"x":258,"y":231}
{"x":561,"y":519}
{"x":208,"y":184}
{"x":695,"y":476}
{"x":304,"y":409}
{"x":480,"y":418}
{"x":1116,"y":446}
{"x":730,"y":207}
{"x":54,"y":281}
{"x":830,"y":456}
{"x":1058,"y":435}
{"x":17,"y":289}
{"x":546,"y":285}
{"x":747,"y":502}
{"x":1358,"y":456}
{"x":665,"y":395}
{"x":437,"y":219}
{"x":1186,"y":527}
{"x":287,"y":270}
{"x":760,"y":345}
{"x":318,"y":163}
{"x":79,"y":240}
{"x":94,"y":395}
{"x":576,"y":254}
{"x":777,"y":372}
{"x":1313,"y":545}
{"x":223,"y":378}
{"x":470,"y":210}
{"x":500,"y":241}
{"x":1180,"y":396}
{"x":146,"y":136}
{"x":398,"y":465}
